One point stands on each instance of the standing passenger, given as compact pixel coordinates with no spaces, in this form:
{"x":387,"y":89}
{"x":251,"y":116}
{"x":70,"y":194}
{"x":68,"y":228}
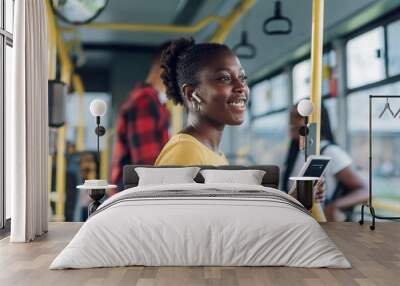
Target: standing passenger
{"x":344,"y":186}
{"x":142,"y":124}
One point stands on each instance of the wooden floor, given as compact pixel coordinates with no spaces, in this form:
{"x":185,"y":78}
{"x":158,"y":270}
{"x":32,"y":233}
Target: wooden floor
{"x":374,"y":255}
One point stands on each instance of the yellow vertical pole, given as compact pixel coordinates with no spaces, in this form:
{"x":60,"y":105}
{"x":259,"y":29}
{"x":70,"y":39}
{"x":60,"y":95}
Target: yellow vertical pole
{"x":316,"y":81}
{"x":68,"y":79}
{"x":50,"y":173}
{"x":60,"y":174}
{"x":52,"y":42}
{"x":176,"y":112}
{"x":66,"y":73}
{"x":66,"y":65}
{"x":105,"y":155}
{"x":228,"y":23}
{"x":80,"y":136}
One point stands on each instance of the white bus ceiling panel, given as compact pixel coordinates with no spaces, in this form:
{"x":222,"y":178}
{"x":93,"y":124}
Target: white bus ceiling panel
{"x":394,"y":48}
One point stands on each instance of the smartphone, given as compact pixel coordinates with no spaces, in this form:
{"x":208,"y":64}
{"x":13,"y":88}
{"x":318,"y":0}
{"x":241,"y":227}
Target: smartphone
{"x":315,"y":166}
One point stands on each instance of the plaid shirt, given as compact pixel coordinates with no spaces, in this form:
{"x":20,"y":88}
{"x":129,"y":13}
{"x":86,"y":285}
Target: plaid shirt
{"x":141,"y":132}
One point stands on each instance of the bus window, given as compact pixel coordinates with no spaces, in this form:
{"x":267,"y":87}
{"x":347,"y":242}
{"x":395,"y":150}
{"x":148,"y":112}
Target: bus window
{"x":270,"y":95}
{"x":393,"y":31}
{"x":270,"y":138}
{"x":365,"y":58}
{"x":386,"y":158}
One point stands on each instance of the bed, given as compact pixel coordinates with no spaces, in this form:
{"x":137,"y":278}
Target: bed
{"x":201,"y":224}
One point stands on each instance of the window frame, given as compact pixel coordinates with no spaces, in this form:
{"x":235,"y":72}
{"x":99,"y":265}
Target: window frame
{"x":288,"y":68}
{"x":383,"y":22}
{"x":253,"y":83}
{"x":267,"y":115}
{"x":397,"y":20}
{"x":384,"y":59}
{"x":273,"y":111}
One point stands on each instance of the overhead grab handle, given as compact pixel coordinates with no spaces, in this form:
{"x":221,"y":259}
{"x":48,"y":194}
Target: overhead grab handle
{"x":277,"y":24}
{"x":244,"y":49}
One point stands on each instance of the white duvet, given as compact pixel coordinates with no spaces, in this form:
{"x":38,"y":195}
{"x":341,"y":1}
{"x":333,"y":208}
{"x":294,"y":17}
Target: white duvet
{"x":185,"y":230}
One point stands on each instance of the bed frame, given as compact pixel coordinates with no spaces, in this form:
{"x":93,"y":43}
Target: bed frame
{"x":270,"y":179}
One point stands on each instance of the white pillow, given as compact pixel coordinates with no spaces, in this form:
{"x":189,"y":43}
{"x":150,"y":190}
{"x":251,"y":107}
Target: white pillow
{"x":248,"y":177}
{"x":164,"y":176}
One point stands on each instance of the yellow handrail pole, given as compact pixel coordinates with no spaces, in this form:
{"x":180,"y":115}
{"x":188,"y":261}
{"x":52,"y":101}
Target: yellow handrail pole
{"x":154,"y":28}
{"x":316,"y":80}
{"x":52,"y":42}
{"x":221,"y":33}
{"x":387,"y":205}
{"x":52,"y":60}
{"x":66,"y":65}
{"x":60,"y":174}
{"x":80,"y":136}
{"x":66,"y":77}
{"x":176,"y":112}
{"x":66,"y":72}
{"x":105,"y":154}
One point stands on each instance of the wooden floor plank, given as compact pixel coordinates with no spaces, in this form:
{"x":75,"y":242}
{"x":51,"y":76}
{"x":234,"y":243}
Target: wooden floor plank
{"x":374,"y":255}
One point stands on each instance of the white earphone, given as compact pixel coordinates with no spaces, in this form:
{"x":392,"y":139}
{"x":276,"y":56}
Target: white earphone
{"x":196,"y":97}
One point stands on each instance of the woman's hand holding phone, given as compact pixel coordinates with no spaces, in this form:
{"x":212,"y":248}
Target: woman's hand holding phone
{"x":319,"y":190}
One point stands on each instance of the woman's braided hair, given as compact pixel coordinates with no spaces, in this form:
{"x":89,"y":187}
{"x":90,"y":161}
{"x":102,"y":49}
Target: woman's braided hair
{"x":181,"y":61}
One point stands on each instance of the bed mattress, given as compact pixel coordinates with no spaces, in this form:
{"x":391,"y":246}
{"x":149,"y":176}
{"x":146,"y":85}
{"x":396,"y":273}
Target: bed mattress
{"x":201,"y":225}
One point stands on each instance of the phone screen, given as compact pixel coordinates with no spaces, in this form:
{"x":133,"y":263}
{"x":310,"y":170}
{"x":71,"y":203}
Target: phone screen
{"x":316,"y":168}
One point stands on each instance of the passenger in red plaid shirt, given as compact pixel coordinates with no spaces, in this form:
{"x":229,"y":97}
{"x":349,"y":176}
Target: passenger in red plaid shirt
{"x":142,"y":125}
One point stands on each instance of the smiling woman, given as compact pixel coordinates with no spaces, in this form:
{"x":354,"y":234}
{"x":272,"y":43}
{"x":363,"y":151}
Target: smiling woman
{"x":209,"y":80}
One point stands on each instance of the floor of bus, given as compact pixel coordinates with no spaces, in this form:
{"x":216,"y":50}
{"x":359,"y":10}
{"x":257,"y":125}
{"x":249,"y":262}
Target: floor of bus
{"x":374,"y":255}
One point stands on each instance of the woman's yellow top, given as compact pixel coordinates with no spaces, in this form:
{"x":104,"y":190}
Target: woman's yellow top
{"x":184,"y":149}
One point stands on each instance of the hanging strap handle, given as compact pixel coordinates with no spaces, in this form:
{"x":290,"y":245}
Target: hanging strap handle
{"x":244,"y":49}
{"x":277,"y":18}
